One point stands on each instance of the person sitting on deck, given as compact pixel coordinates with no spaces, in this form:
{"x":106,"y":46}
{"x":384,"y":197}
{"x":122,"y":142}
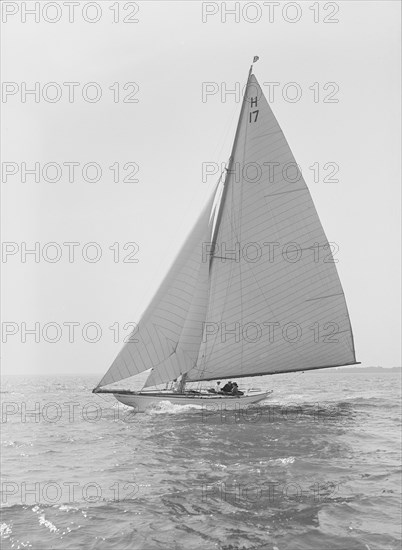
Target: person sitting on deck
{"x":176,"y":386}
{"x":227,"y":388}
{"x":235,"y":390}
{"x":217,"y":387}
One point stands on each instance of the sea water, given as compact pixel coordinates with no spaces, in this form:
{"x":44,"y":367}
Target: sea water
{"x":316,"y":466}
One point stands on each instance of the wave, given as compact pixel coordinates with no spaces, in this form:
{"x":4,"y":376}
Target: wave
{"x":377,"y":402}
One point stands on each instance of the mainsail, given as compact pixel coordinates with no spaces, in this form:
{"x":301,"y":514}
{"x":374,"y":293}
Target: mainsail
{"x":276,"y":303}
{"x":262,"y":294}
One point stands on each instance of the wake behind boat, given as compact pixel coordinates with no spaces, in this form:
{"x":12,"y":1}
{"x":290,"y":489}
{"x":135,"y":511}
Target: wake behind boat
{"x":226,"y":309}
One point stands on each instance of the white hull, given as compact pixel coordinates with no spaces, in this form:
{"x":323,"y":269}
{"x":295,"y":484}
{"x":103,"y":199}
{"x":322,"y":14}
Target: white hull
{"x":209,"y":402}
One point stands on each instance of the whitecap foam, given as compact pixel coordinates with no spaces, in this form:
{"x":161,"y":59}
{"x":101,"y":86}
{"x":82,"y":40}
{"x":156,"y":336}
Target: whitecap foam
{"x":5,"y":530}
{"x":284,"y":461}
{"x":43,"y":521}
{"x":166,"y":407}
{"x":65,"y":508}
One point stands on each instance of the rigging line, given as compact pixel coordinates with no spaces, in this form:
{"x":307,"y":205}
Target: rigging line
{"x":228,"y":127}
{"x":240,"y":229}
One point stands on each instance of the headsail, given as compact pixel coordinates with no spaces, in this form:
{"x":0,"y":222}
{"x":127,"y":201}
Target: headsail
{"x":169,"y":319}
{"x":190,"y":338}
{"x":276,"y":303}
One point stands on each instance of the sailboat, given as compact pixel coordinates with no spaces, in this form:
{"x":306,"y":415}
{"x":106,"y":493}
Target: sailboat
{"x":254,"y":289}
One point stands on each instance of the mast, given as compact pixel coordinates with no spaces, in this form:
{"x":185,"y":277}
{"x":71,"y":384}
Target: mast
{"x":229,"y":168}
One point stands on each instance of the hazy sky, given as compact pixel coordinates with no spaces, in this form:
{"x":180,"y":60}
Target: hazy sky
{"x":169,"y":133}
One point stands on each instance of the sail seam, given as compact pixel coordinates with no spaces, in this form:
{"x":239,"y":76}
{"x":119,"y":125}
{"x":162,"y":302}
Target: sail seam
{"x":323,"y":297}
